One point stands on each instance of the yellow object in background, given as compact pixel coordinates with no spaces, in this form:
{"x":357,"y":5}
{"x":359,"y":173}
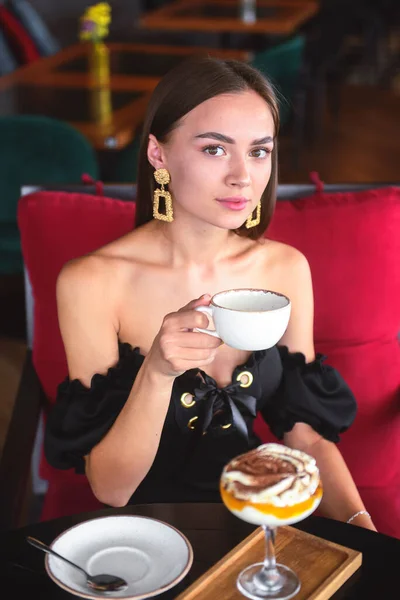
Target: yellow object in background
{"x":99,"y":64}
{"x":101,"y":108}
{"x":94,"y":26}
{"x":95,"y":22}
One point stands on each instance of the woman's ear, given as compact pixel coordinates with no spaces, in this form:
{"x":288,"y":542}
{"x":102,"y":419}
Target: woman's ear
{"x":155,"y":153}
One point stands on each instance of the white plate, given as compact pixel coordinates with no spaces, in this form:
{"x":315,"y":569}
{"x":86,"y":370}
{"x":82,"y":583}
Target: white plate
{"x":150,"y":555}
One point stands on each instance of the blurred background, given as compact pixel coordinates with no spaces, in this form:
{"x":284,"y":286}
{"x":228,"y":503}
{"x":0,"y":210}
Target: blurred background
{"x":72,"y":99}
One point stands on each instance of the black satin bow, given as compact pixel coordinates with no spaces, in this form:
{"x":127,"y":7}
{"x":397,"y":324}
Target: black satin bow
{"x":214,"y":399}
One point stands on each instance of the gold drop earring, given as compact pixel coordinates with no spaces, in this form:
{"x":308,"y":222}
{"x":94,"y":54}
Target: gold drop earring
{"x":253,"y":222}
{"x":162,"y":177}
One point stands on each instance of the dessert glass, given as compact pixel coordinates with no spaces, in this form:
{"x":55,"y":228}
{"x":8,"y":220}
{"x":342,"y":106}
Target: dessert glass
{"x":270,"y":486}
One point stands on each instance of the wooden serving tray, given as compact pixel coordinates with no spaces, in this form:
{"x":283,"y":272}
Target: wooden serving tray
{"x":321,"y":566}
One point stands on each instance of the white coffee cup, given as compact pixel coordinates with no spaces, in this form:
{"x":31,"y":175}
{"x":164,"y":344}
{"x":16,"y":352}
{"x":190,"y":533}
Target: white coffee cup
{"x":248,"y":319}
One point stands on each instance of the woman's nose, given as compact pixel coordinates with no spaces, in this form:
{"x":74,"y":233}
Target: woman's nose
{"x":238,"y":175}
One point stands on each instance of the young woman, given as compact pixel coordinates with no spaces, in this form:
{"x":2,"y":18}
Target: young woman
{"x":152,"y":410}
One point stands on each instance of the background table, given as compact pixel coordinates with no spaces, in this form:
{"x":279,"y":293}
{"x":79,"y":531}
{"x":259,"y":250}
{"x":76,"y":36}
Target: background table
{"x":108,"y":115}
{"x":277,"y":17}
{"x":212,"y":531}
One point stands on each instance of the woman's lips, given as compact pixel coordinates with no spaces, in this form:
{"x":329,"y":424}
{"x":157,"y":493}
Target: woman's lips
{"x":233,"y":203}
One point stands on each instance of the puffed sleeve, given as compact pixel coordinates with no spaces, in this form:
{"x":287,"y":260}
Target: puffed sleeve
{"x":312,"y":393}
{"x":82,"y":416}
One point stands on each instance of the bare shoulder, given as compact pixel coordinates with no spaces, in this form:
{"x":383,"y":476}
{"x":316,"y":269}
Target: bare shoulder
{"x":84,"y":281}
{"x":287,"y":260}
{"x":291,"y":275}
{"x":102,"y":269}
{"x":89,"y":290}
{"x":100,"y":278}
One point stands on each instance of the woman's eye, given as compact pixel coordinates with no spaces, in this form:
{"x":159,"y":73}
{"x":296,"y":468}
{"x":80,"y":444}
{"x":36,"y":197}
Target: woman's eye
{"x":214,"y":150}
{"x":260,"y":152}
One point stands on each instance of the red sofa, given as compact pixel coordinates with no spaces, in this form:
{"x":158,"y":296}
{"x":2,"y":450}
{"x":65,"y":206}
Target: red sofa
{"x":350,"y":235}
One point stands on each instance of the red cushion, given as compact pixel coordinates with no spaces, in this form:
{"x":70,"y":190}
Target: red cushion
{"x":352,"y":243}
{"x":68,"y":495}
{"x":384,"y":505}
{"x":17,"y":37}
{"x":56,"y":227}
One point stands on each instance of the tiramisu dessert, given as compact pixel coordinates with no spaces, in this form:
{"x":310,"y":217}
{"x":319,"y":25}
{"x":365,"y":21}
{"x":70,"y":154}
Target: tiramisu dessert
{"x":271,"y":485}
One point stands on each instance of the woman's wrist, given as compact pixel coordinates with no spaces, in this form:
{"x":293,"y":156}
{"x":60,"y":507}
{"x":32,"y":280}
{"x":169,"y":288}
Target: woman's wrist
{"x":154,"y":376}
{"x":357,"y":514}
{"x":362,"y":518}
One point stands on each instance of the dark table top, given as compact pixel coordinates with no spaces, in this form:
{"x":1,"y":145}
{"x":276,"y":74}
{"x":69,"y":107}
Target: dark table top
{"x":277,"y":17}
{"x":213,"y":532}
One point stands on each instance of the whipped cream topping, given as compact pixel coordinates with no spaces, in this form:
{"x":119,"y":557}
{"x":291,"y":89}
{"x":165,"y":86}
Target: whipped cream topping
{"x":273,"y":474}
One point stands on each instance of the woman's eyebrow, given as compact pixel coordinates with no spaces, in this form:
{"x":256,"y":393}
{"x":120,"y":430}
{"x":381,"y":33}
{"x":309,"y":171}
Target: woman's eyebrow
{"x":265,"y":140}
{"x":220,"y":137}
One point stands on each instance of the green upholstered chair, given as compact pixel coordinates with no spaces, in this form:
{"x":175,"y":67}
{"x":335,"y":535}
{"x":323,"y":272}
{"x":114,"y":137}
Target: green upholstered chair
{"x":282,"y":64}
{"x":285,"y":66}
{"x":35,"y":149}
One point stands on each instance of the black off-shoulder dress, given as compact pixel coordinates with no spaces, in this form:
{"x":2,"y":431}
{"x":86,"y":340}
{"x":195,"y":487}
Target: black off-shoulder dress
{"x":205,"y":425}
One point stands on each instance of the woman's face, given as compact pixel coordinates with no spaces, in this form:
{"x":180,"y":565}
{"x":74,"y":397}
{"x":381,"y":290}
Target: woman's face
{"x":219,"y":159}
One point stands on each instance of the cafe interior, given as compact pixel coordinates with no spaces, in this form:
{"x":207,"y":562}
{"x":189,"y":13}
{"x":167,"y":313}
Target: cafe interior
{"x":75,"y":80}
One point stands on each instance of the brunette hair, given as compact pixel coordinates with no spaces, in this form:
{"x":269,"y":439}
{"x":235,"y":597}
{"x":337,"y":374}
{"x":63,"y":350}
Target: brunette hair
{"x":192,"y":82}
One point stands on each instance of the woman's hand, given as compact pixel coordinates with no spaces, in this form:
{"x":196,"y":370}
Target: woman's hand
{"x":341,"y":497}
{"x":177,"y":348}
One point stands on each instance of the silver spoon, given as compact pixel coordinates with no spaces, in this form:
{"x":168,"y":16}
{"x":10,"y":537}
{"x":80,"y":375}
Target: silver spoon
{"x":100,"y":583}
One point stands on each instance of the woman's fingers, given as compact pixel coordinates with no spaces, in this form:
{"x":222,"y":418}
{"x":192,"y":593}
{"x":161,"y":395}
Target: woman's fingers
{"x":173,"y":354}
{"x":184,"y":320}
{"x":177,"y":347}
{"x":204,"y":300}
{"x":195,"y":340}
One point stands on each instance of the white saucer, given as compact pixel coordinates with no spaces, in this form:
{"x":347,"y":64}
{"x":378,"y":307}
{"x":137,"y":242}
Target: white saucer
{"x":150,"y":555}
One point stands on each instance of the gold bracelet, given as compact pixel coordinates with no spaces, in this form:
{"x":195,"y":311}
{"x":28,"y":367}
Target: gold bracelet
{"x":360,"y":512}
